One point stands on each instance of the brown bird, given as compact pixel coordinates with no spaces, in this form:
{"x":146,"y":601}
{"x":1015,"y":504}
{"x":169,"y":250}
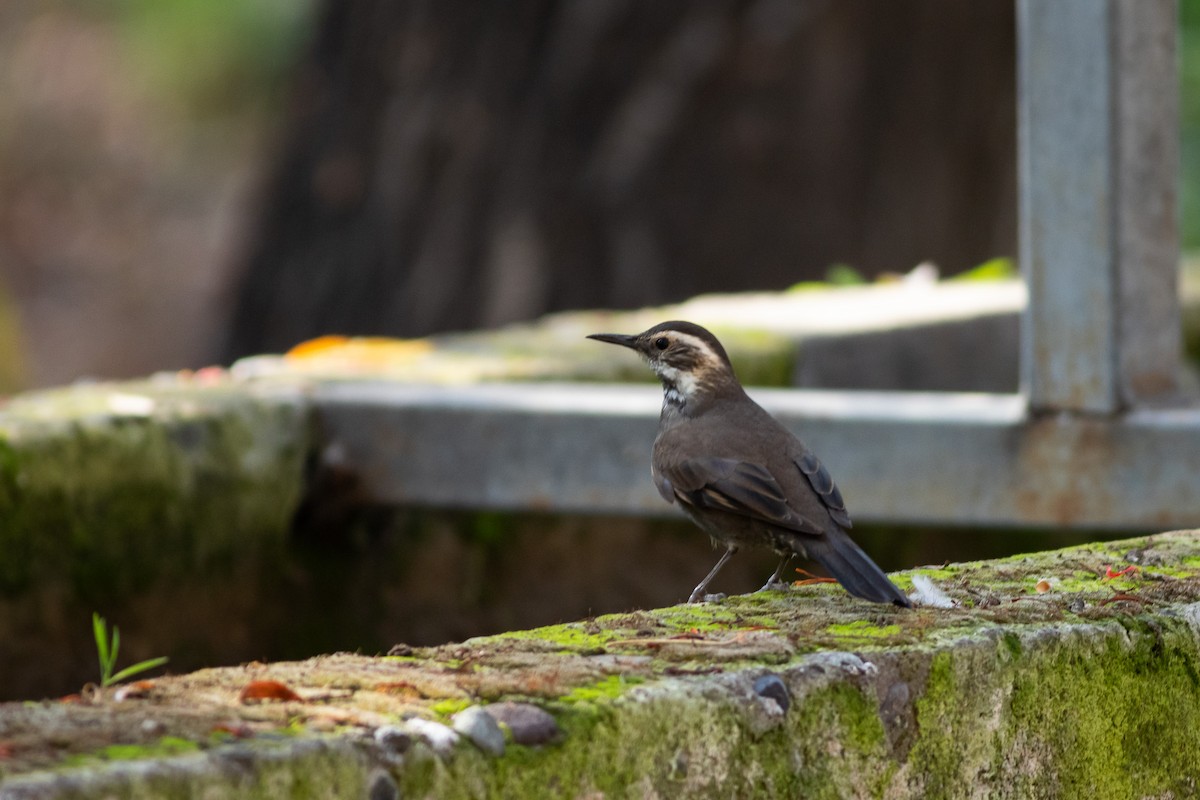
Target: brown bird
{"x":737,"y":472}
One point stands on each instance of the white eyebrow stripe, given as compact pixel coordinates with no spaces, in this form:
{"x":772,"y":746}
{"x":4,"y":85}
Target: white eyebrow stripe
{"x":700,"y":345}
{"x":694,"y":341}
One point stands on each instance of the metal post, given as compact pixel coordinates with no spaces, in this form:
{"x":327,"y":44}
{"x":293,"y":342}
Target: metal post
{"x":1097,"y":142}
{"x":1147,"y":154}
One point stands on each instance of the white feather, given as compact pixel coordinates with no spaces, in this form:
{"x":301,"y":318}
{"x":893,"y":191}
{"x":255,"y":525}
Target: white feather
{"x":926,"y":594}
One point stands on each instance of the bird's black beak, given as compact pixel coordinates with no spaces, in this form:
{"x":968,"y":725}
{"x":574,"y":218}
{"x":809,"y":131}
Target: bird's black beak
{"x":622,"y":339}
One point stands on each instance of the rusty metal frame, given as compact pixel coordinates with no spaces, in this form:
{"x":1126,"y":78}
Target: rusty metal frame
{"x":1098,"y":436}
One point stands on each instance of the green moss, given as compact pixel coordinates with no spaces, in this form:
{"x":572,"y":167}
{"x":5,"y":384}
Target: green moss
{"x":1099,"y":710}
{"x":861,"y":629}
{"x":743,"y":611}
{"x":107,"y":503}
{"x":165,"y":747}
{"x":450,"y":707}
{"x":569,"y":636}
{"x":607,"y":688}
{"x":943,"y":574}
{"x":674,"y":747}
{"x":1091,"y":714}
{"x":938,"y":753}
{"x":1124,"y":716}
{"x":1168,"y":572}
{"x":735,"y":613}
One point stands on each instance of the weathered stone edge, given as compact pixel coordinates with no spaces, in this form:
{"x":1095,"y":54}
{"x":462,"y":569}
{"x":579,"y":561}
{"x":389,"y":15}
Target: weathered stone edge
{"x":1102,"y":709}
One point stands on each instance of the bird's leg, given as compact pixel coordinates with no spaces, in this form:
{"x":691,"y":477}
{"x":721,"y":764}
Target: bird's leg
{"x":774,"y":581}
{"x":698,"y":592}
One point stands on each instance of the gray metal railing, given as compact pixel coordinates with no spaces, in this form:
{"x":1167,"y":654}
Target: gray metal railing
{"x":1092,"y":440}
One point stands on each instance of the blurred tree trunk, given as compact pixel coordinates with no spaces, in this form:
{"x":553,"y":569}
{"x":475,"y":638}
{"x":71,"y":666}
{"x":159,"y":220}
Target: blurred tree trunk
{"x":454,"y":165}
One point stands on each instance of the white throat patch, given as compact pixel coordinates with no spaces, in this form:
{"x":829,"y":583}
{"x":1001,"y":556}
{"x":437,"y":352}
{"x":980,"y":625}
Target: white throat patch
{"x":681,"y":385}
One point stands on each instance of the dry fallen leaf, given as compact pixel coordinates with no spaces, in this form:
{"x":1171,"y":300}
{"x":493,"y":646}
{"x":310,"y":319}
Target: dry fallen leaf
{"x":134,"y":690}
{"x":266,"y":690}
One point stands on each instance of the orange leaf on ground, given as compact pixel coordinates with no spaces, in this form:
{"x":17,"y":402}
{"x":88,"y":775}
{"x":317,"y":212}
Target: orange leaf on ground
{"x":317,"y":345}
{"x":134,"y":690}
{"x":266,"y":690}
{"x":810,"y":578}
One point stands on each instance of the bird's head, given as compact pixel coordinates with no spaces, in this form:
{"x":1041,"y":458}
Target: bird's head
{"x":686,"y":357}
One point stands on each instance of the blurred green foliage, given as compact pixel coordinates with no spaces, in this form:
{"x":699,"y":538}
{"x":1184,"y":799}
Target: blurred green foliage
{"x":212,"y":58}
{"x":844,"y":275}
{"x":995,"y":269}
{"x":1189,"y":117}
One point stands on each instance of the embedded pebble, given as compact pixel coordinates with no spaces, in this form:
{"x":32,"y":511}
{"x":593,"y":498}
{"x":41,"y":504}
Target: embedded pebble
{"x":153,"y":727}
{"x":383,"y":787}
{"x":527,"y":723}
{"x":440,"y":737}
{"x":481,"y":728}
{"x":393,"y":738}
{"x":772,"y":687}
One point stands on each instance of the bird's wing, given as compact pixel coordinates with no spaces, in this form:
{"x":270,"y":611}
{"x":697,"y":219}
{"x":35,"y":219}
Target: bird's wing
{"x":739,"y":487}
{"x":663,"y":484}
{"x":822,"y":483}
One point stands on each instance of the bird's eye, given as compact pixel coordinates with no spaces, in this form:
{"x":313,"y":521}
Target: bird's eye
{"x":662,"y":342}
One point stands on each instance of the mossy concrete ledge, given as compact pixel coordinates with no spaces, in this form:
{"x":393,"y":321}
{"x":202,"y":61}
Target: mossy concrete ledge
{"x":1072,"y":673}
{"x":109,"y":486}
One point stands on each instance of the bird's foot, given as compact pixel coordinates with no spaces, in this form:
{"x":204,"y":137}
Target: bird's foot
{"x":774,"y":585}
{"x":697,"y":597}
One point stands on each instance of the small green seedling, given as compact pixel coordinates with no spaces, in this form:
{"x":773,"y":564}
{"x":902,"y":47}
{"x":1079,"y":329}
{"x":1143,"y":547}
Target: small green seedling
{"x":107,"y":650}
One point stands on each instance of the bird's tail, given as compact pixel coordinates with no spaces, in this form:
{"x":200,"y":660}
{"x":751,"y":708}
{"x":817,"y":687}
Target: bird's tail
{"x":854,"y":569}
